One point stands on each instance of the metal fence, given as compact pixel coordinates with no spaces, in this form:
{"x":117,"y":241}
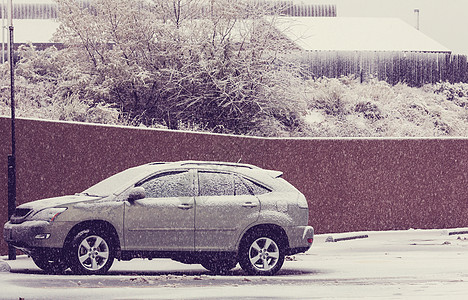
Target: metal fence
{"x":287,"y":8}
{"x":33,"y":10}
{"x":412,"y":68}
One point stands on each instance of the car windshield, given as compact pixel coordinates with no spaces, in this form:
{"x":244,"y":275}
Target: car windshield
{"x":118,"y":182}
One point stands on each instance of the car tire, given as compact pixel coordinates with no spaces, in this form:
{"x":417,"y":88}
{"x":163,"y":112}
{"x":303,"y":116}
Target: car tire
{"x":91,"y":252}
{"x":52,"y":264}
{"x":261,"y":253}
{"x":219,"y":266}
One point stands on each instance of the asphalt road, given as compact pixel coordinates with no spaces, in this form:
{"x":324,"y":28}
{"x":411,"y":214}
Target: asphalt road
{"x":414,"y":264}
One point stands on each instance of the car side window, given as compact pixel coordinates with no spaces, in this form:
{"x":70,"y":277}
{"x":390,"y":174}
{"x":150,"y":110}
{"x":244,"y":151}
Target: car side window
{"x":169,"y":184}
{"x":239,"y":187}
{"x":256,"y":188}
{"x":215,"y":184}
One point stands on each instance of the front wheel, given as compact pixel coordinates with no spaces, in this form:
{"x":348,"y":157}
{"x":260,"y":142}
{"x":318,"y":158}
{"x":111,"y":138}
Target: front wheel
{"x":91,"y":253}
{"x":51,"y":263}
{"x":261,"y":254}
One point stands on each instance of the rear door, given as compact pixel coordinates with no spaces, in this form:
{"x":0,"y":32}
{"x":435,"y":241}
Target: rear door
{"x":164,"y":220}
{"x":224,"y":207}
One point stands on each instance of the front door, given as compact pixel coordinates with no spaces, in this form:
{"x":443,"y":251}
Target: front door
{"x":164,"y":219}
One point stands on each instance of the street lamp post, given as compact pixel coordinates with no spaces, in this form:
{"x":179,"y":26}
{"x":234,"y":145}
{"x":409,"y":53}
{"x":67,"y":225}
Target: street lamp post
{"x":3,"y":31}
{"x":12,"y":157}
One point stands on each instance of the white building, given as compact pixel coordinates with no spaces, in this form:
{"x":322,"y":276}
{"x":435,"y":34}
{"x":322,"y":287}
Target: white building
{"x":357,"y":34}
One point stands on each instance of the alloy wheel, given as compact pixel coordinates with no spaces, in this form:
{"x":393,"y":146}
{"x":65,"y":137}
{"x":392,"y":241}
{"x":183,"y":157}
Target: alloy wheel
{"x":93,"y":252}
{"x":264,"y":254}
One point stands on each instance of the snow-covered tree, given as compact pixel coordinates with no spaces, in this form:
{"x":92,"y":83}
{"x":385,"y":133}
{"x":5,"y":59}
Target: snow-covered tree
{"x":213,"y":63}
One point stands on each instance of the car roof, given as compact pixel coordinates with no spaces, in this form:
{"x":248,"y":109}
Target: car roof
{"x":247,"y":169}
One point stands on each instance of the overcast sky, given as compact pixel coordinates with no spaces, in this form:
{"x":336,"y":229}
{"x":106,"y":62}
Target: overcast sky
{"x":445,"y":21}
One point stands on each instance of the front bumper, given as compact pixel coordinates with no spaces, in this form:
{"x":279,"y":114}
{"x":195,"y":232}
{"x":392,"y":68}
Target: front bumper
{"x":32,"y":234}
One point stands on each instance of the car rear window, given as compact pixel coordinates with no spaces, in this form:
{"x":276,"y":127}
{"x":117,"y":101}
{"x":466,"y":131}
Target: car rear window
{"x":256,"y":188}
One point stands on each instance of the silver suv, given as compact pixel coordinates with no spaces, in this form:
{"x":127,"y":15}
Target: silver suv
{"x":212,"y":213}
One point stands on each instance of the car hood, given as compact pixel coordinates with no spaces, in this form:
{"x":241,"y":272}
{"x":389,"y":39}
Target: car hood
{"x":57,"y":201}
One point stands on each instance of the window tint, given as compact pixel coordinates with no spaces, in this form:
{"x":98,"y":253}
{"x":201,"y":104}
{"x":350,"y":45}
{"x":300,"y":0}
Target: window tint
{"x":256,"y":188}
{"x":215,"y":184}
{"x":173,"y":184}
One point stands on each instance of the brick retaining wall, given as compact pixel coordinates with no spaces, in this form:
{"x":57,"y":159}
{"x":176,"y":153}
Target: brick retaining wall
{"x":351,"y":184}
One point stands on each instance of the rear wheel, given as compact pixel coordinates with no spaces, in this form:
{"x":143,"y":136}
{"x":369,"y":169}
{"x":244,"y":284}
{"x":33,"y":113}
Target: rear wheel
{"x":261,"y":253}
{"x":91,"y":252}
{"x":219,"y":265}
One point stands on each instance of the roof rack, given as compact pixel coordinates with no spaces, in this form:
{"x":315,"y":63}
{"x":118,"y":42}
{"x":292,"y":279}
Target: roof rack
{"x":206,"y":163}
{"x":218,"y":163}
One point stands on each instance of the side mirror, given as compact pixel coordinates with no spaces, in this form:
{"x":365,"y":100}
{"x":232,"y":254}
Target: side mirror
{"x":136,"y":193}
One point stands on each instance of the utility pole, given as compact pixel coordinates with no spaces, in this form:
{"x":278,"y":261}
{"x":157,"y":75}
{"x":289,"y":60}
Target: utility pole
{"x":12,"y":157}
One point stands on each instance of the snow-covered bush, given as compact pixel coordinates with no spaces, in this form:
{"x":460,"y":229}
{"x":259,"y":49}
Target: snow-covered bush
{"x":456,"y":92}
{"x":345,"y":107}
{"x":44,"y":89}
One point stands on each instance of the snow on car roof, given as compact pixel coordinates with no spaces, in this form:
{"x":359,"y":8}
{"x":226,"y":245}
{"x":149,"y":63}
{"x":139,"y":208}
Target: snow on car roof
{"x":243,"y":168}
{"x":218,"y":163}
{"x":206,"y":163}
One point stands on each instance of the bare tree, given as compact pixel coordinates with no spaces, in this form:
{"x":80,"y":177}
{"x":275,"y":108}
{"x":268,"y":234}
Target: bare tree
{"x":215,"y":63}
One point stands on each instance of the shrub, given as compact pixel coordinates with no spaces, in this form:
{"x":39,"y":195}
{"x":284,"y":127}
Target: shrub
{"x":456,"y":92}
{"x":40,"y":77}
{"x":349,"y":108}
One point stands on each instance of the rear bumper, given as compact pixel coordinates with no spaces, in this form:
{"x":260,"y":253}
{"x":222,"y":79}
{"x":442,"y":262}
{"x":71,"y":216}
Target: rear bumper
{"x":300,"y":239}
{"x":292,"y":251}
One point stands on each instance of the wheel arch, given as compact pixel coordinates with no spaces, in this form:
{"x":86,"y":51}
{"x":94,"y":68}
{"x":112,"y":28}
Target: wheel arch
{"x":99,"y":225}
{"x":271,"y":228}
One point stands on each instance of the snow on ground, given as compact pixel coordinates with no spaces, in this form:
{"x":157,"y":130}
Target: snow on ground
{"x":412,"y":264}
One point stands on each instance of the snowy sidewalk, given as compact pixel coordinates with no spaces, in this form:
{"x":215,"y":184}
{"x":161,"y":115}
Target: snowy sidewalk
{"x":412,"y":264}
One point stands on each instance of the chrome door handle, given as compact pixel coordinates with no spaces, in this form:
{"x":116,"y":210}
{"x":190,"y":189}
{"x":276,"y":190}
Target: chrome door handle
{"x":249,"y":204}
{"x":185,"y":206}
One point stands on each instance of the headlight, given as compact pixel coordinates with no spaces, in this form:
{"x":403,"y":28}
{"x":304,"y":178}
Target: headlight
{"x":48,"y":214}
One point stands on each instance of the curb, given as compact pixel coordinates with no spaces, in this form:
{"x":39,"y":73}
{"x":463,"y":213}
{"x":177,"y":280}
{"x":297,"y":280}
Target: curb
{"x":458,"y":232}
{"x":331,"y":239}
{"x":4,"y":266}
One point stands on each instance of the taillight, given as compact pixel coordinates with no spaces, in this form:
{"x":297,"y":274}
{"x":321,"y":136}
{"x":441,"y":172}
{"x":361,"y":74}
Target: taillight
{"x":310,"y":240}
